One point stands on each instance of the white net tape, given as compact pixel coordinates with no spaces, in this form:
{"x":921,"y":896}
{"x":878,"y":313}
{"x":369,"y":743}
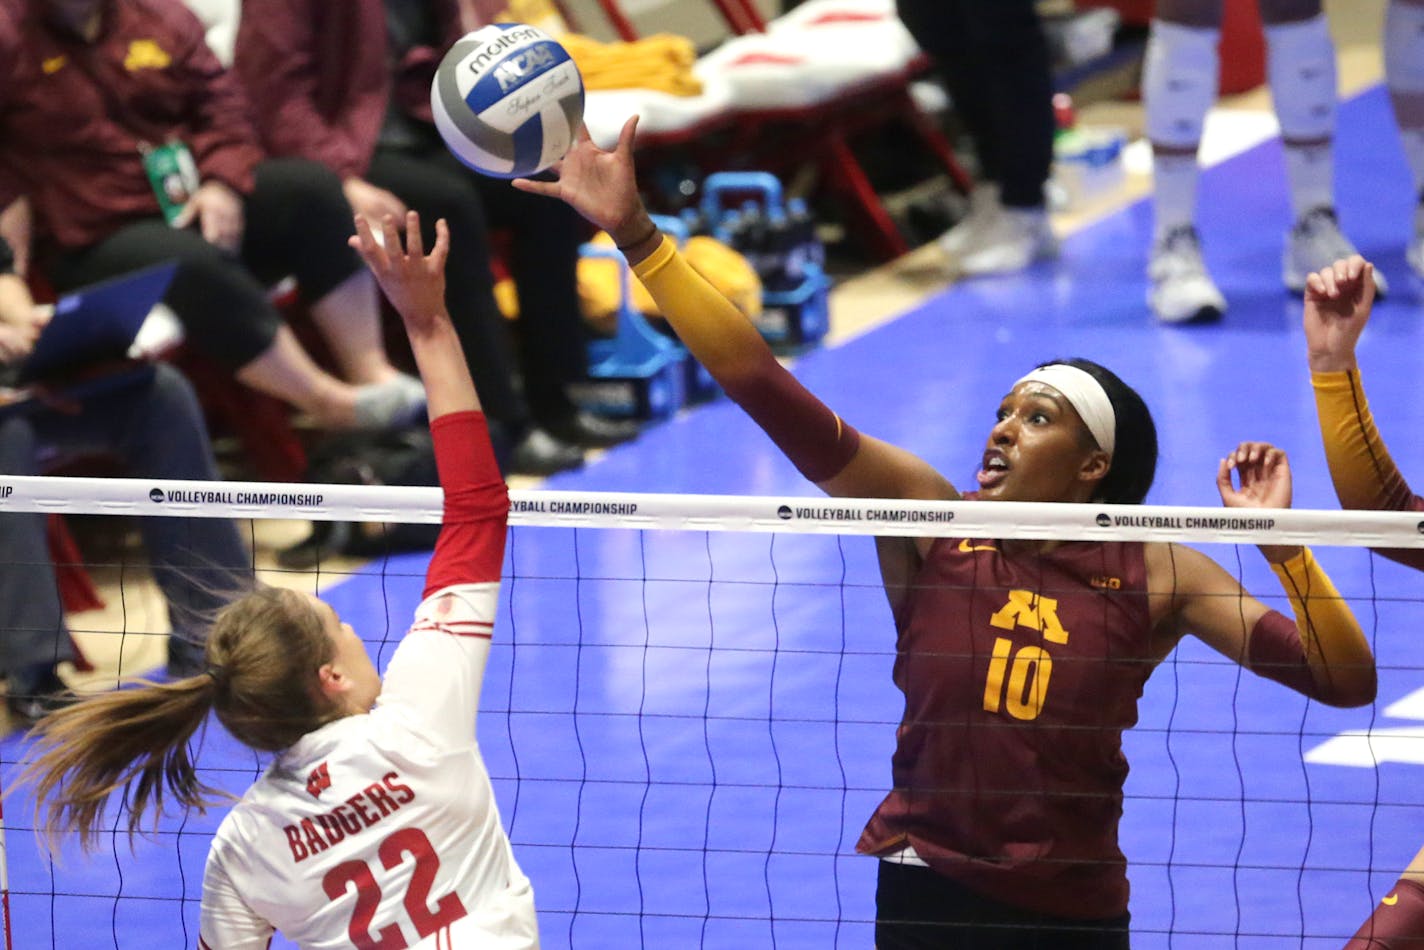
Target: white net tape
{"x":689,"y":718}
{"x":845,"y":516}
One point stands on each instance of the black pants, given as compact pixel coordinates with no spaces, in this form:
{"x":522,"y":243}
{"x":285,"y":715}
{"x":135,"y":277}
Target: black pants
{"x":543,"y":261}
{"x":152,"y":423}
{"x":917,"y":908}
{"x":297,"y":223}
{"x":995,"y":62}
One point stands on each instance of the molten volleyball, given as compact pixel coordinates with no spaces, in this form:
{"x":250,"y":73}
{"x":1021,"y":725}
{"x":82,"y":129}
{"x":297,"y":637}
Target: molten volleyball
{"x":508,"y":100}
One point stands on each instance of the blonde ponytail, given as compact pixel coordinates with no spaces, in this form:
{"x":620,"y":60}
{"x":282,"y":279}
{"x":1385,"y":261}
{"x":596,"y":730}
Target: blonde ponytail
{"x":264,"y":652}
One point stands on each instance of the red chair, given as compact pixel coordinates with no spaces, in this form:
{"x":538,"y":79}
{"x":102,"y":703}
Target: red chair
{"x":803,"y":89}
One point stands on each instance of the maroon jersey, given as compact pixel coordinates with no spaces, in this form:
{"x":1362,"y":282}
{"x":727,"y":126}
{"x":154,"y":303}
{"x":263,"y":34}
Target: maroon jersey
{"x":1397,"y":923}
{"x":1020,"y":673}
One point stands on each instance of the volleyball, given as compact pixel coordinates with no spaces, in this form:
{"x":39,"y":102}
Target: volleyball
{"x":508,"y":100}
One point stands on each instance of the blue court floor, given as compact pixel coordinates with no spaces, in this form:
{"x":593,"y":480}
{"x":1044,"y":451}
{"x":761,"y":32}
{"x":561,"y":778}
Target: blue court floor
{"x":688,"y":731}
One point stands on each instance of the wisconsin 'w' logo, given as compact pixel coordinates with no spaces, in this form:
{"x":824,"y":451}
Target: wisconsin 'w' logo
{"x":318,"y":781}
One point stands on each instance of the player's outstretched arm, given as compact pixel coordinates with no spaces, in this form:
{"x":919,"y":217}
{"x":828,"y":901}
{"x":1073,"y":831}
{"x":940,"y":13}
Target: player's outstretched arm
{"x":414,"y":282}
{"x":1338,"y":301}
{"x":601,"y":186}
{"x":471,"y":545}
{"x":1322,"y":652}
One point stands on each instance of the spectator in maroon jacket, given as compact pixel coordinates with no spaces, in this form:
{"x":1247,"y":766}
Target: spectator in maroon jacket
{"x":348,"y":84}
{"x":135,"y":146}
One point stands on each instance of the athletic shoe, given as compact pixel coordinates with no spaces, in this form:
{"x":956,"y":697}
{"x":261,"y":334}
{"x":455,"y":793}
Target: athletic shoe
{"x":397,"y":403}
{"x":541,"y":454}
{"x":1181,"y":290}
{"x":1415,"y":253}
{"x":35,"y":693}
{"x":983,"y":205}
{"x":1314,"y":243}
{"x":1009,"y":241}
{"x":592,"y":431}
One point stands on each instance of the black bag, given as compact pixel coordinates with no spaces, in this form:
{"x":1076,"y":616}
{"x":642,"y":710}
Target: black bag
{"x":395,"y":457}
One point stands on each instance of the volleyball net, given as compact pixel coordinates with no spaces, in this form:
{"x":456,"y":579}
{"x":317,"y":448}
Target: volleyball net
{"x":689,"y":715}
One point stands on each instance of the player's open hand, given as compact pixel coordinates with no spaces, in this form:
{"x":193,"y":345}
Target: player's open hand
{"x":1338,"y":299}
{"x":600,"y":185}
{"x":1264,"y":475}
{"x":412,"y":280}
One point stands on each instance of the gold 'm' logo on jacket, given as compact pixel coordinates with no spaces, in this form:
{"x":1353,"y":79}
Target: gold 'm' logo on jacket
{"x":146,"y":54}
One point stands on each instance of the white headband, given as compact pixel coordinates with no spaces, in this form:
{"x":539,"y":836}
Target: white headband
{"x":1085,"y":394}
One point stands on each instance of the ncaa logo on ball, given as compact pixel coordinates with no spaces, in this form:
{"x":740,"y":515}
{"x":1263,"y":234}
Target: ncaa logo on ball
{"x":518,"y":69}
{"x":507,"y":100}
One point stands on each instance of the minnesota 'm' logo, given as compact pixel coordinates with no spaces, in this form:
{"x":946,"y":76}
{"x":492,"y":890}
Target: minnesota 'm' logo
{"x":318,"y":781}
{"x":146,"y":54}
{"x":54,"y":64}
{"x":1027,"y":609}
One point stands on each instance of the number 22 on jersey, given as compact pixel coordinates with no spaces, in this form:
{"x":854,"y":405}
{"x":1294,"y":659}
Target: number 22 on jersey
{"x":392,"y":852}
{"x":1018,"y":679}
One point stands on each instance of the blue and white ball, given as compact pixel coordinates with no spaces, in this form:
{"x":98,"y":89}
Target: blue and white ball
{"x":508,"y":100}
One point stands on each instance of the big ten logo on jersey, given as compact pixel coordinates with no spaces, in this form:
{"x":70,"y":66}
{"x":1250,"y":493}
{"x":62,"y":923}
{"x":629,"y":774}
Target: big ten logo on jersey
{"x":1020,"y":688}
{"x":519,"y":67}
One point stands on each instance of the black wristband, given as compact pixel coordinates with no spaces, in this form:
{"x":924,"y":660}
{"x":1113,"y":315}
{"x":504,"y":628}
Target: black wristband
{"x":642,"y":240}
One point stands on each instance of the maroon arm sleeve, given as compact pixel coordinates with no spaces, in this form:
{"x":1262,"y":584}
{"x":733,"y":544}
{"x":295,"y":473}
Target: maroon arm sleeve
{"x":816,"y":440}
{"x":1397,"y":923}
{"x":470,"y":549}
{"x":1275,"y":652}
{"x":1363,"y":471}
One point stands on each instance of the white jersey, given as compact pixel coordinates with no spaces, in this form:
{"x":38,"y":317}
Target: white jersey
{"x":381,"y":830}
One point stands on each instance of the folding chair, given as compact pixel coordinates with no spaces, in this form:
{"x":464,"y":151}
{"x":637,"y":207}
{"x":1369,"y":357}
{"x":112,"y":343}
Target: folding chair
{"x":802,"y":89}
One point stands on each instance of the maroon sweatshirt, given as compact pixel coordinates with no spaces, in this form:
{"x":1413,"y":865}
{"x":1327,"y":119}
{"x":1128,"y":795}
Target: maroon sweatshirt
{"x":320,"y":78}
{"x":75,"y":115}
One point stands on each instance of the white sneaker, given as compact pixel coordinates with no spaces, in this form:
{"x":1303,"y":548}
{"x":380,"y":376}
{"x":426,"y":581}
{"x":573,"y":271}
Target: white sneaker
{"x":1010,"y":241}
{"x":983,"y":205}
{"x":1181,"y":290}
{"x":1316,"y":242}
{"x":1415,"y":253}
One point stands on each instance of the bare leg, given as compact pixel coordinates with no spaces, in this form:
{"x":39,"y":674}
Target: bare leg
{"x":284,"y":370}
{"x":349,"y":319}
